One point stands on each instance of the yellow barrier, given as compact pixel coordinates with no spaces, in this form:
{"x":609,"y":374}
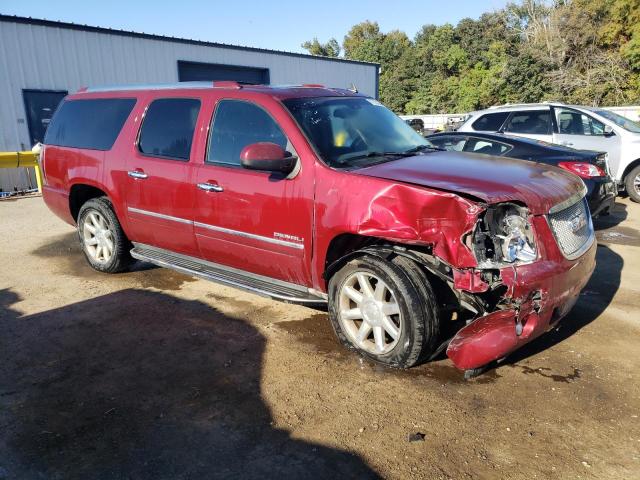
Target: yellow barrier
{"x":22,"y":159}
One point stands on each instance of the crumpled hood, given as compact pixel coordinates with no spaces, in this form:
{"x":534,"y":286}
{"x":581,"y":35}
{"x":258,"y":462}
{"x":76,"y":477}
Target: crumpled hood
{"x":490,"y":179}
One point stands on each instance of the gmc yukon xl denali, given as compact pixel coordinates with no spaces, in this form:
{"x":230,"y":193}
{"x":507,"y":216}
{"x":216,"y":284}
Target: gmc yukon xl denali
{"x":317,"y":195}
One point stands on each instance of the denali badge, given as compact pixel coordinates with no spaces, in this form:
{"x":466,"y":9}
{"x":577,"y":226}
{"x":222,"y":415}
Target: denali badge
{"x":286,"y":236}
{"x":578,"y":221}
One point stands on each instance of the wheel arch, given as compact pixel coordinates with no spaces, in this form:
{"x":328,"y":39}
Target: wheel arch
{"x":628,"y":169}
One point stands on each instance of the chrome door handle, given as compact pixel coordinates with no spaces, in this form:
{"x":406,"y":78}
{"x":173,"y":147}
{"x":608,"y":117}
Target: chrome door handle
{"x":210,"y":187}
{"x":568,"y":144}
{"x":137,"y":174}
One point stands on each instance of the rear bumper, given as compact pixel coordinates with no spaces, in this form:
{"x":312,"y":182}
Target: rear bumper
{"x":58,"y":202}
{"x":601,"y":195}
{"x":548,"y":290}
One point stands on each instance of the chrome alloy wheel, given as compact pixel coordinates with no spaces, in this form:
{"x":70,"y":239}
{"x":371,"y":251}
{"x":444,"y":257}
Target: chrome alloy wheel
{"x":97,"y":237}
{"x":369,"y":313}
{"x":636,"y":184}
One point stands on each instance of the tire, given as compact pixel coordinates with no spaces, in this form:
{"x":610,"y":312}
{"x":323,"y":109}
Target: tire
{"x":632,"y":184}
{"x":106,"y":248}
{"x":360,"y":316}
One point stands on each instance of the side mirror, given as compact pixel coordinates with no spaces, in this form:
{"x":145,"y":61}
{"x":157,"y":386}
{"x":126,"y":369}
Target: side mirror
{"x":608,"y":131}
{"x":267,"y":156}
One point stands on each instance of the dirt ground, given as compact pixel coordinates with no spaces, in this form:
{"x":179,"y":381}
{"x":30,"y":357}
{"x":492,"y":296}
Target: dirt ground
{"x":152,"y":374}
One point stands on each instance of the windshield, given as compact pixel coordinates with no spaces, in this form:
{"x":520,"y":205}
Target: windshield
{"x":619,"y":120}
{"x":355,"y":131}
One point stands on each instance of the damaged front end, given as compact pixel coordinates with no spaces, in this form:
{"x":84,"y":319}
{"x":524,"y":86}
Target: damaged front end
{"x":524,"y":281}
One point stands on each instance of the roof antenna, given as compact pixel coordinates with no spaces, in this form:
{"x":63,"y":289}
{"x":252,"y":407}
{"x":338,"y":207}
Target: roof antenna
{"x":353,"y":88}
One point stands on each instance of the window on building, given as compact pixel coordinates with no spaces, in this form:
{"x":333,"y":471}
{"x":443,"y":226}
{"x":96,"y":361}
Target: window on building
{"x":237,"y":124}
{"x":168,"y":126}
{"x":93,"y":124}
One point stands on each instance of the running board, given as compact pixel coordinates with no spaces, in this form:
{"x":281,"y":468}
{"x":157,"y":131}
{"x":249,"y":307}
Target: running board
{"x":250,"y":282}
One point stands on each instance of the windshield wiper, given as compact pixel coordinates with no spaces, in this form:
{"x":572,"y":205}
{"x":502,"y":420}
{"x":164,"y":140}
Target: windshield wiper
{"x":419,"y":148}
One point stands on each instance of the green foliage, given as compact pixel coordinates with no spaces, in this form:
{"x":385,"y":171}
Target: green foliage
{"x":578,"y":51}
{"x":329,"y":49}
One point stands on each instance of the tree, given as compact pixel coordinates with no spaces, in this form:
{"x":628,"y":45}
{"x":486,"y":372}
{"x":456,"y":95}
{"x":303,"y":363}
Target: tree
{"x":329,"y":49}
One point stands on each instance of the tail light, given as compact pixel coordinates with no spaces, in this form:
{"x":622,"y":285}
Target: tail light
{"x":583,"y":169}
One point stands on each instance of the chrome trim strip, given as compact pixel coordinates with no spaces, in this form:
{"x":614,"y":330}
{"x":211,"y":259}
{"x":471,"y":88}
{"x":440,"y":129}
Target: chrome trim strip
{"x":574,"y":198}
{"x":159,"y":215}
{"x":275,"y":241}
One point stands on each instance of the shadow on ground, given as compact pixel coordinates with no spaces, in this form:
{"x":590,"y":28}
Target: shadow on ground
{"x":139,"y":384}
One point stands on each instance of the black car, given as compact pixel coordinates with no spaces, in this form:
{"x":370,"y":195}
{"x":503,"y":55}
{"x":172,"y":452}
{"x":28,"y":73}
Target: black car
{"x":591,"y":166}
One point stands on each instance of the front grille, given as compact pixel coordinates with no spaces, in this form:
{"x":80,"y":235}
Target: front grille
{"x":572,"y":228}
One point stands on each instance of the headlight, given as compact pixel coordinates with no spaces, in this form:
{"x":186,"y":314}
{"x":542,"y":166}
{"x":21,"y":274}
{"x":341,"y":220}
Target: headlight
{"x":503,"y":236}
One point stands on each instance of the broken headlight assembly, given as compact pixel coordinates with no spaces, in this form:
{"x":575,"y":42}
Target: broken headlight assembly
{"x":503,"y":236}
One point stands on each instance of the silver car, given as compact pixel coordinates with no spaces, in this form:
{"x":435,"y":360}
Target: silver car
{"x":584,"y":128}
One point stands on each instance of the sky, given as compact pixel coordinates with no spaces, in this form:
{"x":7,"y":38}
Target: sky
{"x":279,"y":25}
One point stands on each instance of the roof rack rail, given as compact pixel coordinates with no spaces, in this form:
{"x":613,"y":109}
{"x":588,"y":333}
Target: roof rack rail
{"x":162,"y":86}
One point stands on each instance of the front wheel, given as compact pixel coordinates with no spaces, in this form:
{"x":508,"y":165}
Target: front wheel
{"x":384,"y":309}
{"x":632,"y":184}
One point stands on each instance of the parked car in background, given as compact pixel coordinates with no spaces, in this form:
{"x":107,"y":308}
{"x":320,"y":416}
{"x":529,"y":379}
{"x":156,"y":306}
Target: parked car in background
{"x":320,"y":195}
{"x":588,"y":128}
{"x":592,"y":167}
{"x":417,"y":124}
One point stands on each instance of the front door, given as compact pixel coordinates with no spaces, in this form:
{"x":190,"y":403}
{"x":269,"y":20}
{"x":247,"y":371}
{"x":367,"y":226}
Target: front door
{"x":40,"y":106}
{"x":251,"y":220}
{"x":160,"y":194}
{"x":579,"y":130}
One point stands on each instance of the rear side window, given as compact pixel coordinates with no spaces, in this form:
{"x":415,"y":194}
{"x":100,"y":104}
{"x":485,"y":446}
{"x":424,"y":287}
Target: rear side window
{"x":535,"y":122}
{"x":237,"y":124}
{"x":92,"y":124}
{"x":454,"y":143}
{"x":168,"y":126}
{"x":491,"y":122}
{"x":487,"y":147}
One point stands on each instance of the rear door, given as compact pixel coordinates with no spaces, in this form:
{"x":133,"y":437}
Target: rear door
{"x":160,"y":193}
{"x":535,"y":123}
{"x":576,"y":129}
{"x":251,"y":220}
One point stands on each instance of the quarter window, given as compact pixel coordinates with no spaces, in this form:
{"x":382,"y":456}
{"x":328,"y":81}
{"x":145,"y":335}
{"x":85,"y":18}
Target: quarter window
{"x":237,"y":124}
{"x":488,"y":147}
{"x":449,"y":142}
{"x":572,"y":122}
{"x":534,"y":122}
{"x":491,"y":122}
{"x":167,"y":130}
{"x":92,"y":124}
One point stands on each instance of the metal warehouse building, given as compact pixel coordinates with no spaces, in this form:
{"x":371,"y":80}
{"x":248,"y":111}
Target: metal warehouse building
{"x":41,"y":61}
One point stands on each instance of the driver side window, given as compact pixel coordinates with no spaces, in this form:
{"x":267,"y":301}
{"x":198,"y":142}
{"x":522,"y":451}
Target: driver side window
{"x":572,"y":122}
{"x":235,"y":125}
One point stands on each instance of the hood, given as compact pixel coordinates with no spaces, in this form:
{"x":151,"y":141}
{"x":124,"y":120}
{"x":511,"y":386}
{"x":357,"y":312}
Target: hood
{"x":490,"y":179}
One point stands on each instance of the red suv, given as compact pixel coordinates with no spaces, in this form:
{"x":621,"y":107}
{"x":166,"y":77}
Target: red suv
{"x":320,"y":195}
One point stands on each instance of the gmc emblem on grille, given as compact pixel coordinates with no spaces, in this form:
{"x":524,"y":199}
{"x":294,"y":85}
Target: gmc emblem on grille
{"x":577,"y":221}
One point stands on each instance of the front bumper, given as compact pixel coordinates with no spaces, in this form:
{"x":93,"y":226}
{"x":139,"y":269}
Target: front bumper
{"x":541,"y":293}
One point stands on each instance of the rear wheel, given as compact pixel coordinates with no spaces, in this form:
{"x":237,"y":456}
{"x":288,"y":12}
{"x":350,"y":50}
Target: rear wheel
{"x":103,"y":241}
{"x":379,"y":308}
{"x":632,"y":184}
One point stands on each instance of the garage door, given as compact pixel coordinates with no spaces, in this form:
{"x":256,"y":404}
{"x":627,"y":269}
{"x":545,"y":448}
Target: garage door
{"x":193,"y":71}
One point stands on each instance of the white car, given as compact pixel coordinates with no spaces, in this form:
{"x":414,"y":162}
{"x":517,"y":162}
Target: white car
{"x":584,"y":128}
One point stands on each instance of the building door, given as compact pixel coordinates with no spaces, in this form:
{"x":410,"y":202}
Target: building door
{"x":40,"y":106}
{"x":195,"y":71}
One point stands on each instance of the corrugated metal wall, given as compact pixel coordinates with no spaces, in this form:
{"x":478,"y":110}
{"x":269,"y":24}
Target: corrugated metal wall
{"x":46,"y":57}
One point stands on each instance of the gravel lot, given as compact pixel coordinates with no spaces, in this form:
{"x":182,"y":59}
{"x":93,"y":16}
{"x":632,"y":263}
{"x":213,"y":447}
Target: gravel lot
{"x":152,"y":374}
